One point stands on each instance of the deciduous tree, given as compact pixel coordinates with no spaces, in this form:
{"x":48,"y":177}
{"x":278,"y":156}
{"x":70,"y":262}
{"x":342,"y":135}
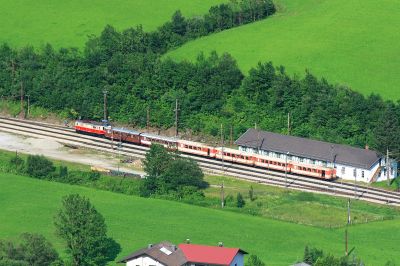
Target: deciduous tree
{"x":85,"y":232}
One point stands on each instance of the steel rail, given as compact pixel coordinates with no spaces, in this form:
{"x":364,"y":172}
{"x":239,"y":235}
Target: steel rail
{"x":294,"y":182}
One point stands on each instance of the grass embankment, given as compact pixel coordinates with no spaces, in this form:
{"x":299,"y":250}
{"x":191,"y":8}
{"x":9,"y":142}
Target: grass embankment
{"x":68,"y":23}
{"x":348,"y":42}
{"x":29,"y":205}
{"x":298,"y":207}
{"x":270,"y":202}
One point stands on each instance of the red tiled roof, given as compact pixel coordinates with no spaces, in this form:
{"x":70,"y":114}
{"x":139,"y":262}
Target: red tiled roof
{"x":209,"y":254}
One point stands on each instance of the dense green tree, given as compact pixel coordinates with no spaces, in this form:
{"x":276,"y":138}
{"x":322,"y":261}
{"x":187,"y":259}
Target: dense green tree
{"x":251,"y":193}
{"x":387,"y":130}
{"x":85,"y":232}
{"x":156,"y":161}
{"x":311,"y":255}
{"x":182,"y":172}
{"x":253,"y":260}
{"x":168,"y":172}
{"x":33,"y":250}
{"x":39,"y":166}
{"x":240,"y":202}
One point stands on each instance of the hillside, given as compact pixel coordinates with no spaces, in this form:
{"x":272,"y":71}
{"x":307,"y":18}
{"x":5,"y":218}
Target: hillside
{"x":30,"y":204}
{"x":354,"y":43}
{"x":68,"y":23}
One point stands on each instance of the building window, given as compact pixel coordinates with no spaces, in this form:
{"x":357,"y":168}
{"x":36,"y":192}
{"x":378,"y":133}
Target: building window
{"x":301,"y":159}
{"x":343,"y":170}
{"x":355,"y":172}
{"x":362,"y":174}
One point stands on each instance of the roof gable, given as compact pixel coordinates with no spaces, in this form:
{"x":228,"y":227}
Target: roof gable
{"x":209,"y":254}
{"x":164,"y":252}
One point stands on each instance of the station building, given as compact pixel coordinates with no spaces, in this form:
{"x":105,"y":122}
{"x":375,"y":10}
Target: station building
{"x":351,"y":163}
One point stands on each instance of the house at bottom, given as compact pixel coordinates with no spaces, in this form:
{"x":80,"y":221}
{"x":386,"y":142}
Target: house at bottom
{"x":167,"y":254}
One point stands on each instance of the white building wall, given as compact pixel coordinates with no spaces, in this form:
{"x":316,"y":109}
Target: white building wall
{"x":238,"y":260}
{"x":143,"y":261}
{"x":346,"y":172}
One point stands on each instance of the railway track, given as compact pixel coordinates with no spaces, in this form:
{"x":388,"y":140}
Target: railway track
{"x":68,"y":136}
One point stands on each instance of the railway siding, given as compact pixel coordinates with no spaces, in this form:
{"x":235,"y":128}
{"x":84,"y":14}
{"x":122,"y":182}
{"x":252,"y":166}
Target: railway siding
{"x":68,"y":136}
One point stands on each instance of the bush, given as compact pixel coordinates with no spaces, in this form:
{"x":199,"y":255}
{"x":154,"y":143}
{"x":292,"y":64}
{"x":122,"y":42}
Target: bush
{"x":253,"y":260}
{"x":17,"y":163}
{"x":39,"y":166}
{"x":33,"y":250}
{"x":240,"y":201}
{"x":63,"y":172}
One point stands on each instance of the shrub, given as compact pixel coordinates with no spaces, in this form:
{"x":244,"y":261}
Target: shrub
{"x":240,"y":201}
{"x":39,"y":166}
{"x":17,"y":163}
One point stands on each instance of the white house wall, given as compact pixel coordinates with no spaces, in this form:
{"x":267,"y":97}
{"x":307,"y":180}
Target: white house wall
{"x":143,"y":261}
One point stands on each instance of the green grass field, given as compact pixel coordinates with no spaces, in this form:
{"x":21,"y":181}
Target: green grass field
{"x":355,"y":43}
{"x":68,"y":23}
{"x":297,"y":207}
{"x":29,"y":205}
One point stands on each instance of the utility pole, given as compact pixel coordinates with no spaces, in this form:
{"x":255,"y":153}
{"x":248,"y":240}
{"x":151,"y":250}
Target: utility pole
{"x":22,"y":100}
{"x":346,"y":236}
{"x":222,"y":149}
{"x":286,"y":157}
{"x":222,"y":195}
{"x":105,"y":91}
{"x":288,"y":123}
{"x":355,"y":184}
{"x":387,"y":166}
{"x":148,"y":119}
{"x":29,"y":104}
{"x":176,"y":118}
{"x":231,"y":135}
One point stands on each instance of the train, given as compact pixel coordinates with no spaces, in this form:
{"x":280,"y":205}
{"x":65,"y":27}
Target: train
{"x":196,"y":148}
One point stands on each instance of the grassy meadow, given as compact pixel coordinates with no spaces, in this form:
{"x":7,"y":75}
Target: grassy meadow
{"x":354,"y":43}
{"x":297,"y":207}
{"x":29,"y":205}
{"x":68,"y":23}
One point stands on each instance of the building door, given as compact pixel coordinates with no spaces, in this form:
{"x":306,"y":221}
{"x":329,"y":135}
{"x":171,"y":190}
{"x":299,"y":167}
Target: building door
{"x":323,"y":173}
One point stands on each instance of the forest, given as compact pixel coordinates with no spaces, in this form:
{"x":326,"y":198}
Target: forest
{"x":211,"y":91}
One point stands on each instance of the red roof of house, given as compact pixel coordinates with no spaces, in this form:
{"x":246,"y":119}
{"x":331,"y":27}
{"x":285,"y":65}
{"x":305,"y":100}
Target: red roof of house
{"x":209,"y":254}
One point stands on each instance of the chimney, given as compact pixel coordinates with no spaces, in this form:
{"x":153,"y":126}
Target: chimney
{"x":149,"y":246}
{"x":366,"y":147}
{"x":220,"y":244}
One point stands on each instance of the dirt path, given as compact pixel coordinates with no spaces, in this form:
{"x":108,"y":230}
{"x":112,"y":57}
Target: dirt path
{"x":55,"y":150}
